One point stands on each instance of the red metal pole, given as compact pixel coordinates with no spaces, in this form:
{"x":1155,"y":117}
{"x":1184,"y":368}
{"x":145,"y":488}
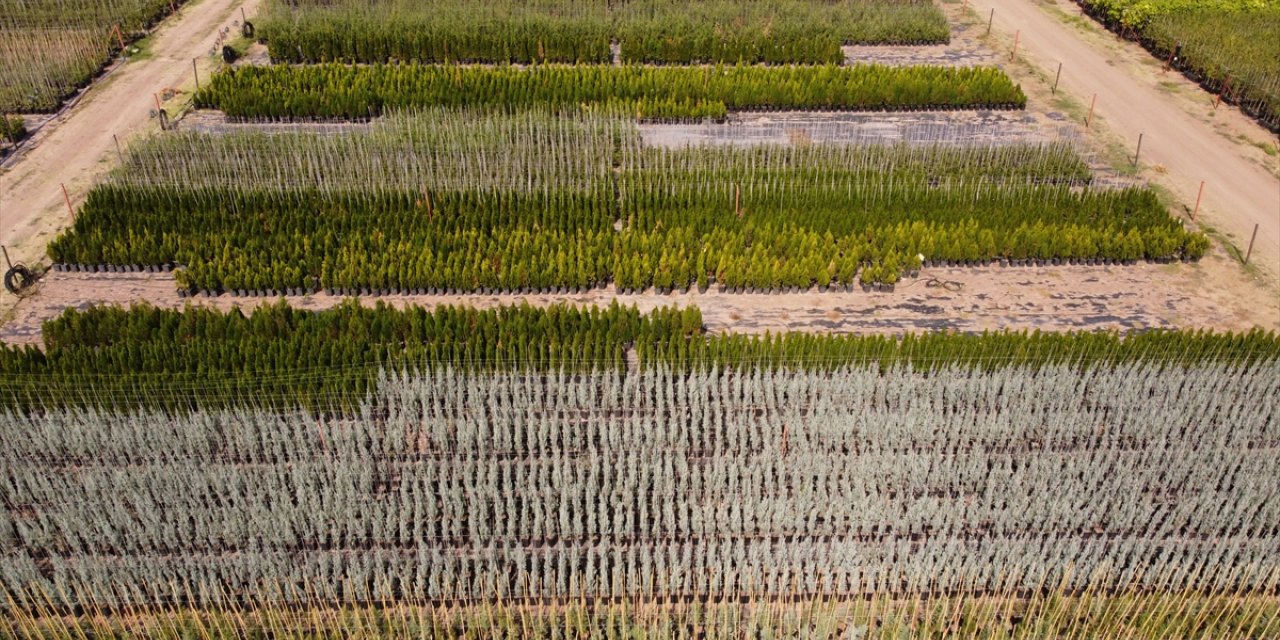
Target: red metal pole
{"x":67,"y":197}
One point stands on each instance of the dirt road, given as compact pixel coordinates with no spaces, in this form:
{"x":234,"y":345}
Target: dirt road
{"x":77,"y":147}
{"x":1239,"y":193}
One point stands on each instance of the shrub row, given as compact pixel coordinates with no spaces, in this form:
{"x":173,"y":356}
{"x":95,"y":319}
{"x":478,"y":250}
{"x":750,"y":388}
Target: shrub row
{"x":1231,"y":47}
{"x":244,"y":242}
{"x":669,"y":93}
{"x":580,"y":31}
{"x":278,"y":356}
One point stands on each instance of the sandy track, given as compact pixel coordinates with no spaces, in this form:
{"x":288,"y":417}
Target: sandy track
{"x":1239,"y":194}
{"x":1047,"y":298}
{"x":77,"y":148}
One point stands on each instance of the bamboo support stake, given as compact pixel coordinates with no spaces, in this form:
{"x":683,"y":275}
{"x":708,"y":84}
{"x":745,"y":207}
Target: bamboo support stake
{"x":1137,"y":152}
{"x":120,"y":35}
{"x":1056,"y":78}
{"x":1088,"y":121}
{"x":1016,"y":37}
{"x":1198,"y":197}
{"x":990,"y":20}
{"x":195,"y":70}
{"x":1249,"y":253}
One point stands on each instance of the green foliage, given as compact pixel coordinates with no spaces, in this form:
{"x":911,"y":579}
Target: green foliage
{"x":467,"y":200}
{"x":663,"y":31}
{"x":786,"y":31}
{"x":670,"y":93}
{"x":299,"y":31}
{"x":13,"y":128}
{"x":50,"y":49}
{"x":282,"y":357}
{"x":1230,"y":46}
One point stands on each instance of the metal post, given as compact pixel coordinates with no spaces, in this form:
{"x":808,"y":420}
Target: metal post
{"x":1016,"y":37}
{"x":991,"y":20}
{"x":67,"y":198}
{"x":1138,"y":152}
{"x":1089,"y":119}
{"x":1198,"y":197}
{"x":196,"y":71}
{"x":1057,"y":78}
{"x":1255,"y":237}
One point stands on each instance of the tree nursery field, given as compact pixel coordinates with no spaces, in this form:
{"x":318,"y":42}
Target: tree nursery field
{"x":572,"y":471}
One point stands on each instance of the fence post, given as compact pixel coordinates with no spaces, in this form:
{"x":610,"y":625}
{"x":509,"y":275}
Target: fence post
{"x":1255,"y":237}
{"x":67,"y":198}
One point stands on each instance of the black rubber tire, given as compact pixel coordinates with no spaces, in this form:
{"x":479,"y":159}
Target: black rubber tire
{"x":18,"y":279}
{"x":247,"y":29}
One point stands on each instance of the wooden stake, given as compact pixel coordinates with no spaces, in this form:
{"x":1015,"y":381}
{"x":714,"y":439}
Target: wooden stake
{"x":67,"y":197}
{"x":1226,"y":86}
{"x":6,"y":256}
{"x":737,"y":193}
{"x":1057,"y":78}
{"x":242,"y":18}
{"x":196,"y":71}
{"x":1169,"y":62}
{"x":159,"y":110}
{"x":1255,"y":237}
{"x":119,"y":156}
{"x":120,"y":35}
{"x":1016,"y":37}
{"x":1138,"y":152}
{"x":1198,"y":197}
{"x":173,"y":8}
{"x":1089,"y":119}
{"x":991,"y":20}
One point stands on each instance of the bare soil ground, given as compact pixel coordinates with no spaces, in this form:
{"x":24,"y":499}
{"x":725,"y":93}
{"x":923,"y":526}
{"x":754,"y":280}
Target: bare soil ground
{"x":1203,"y":295}
{"x":76,"y":147}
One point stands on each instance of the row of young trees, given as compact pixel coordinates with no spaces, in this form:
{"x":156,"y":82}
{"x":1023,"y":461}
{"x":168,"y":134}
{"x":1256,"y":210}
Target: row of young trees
{"x":580,"y":31}
{"x":1228,"y":46}
{"x":331,"y":91}
{"x":48,"y":50}
{"x":449,"y":484}
{"x":304,"y":241}
{"x":114,"y":357}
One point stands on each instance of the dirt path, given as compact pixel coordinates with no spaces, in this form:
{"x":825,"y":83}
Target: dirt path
{"x":77,"y":148}
{"x":1046,"y":298}
{"x":1133,"y":99}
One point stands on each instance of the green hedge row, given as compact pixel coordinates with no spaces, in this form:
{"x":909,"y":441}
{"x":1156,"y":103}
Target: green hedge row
{"x":277,"y":356}
{"x":580,"y":31}
{"x":303,"y":241}
{"x":669,"y":93}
